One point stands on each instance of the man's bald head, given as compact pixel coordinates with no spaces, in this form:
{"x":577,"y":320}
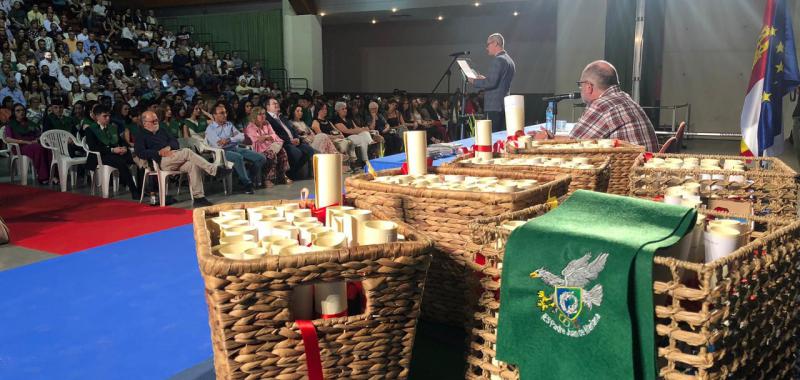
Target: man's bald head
{"x":601,"y":73}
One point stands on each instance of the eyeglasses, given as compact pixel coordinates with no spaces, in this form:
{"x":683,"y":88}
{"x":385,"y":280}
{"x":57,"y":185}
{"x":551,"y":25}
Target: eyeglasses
{"x":580,"y":82}
{"x":151,"y":121}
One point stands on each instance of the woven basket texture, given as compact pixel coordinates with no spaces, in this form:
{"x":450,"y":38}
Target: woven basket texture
{"x":586,"y":179}
{"x":622,"y":157}
{"x":771,"y":184}
{"x":733,"y":318}
{"x":254,"y":335}
{"x":443,"y":215}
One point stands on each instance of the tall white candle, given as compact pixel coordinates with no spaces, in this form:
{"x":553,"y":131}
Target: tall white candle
{"x":416,"y":152}
{"x":327,"y":179}
{"x":483,"y":139}
{"x":515,"y":113}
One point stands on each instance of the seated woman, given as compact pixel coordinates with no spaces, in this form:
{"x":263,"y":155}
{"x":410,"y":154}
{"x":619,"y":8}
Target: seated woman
{"x":26,"y":134}
{"x":359,"y":136}
{"x":322,"y":126}
{"x":168,"y":122}
{"x":195,"y":125}
{"x":319,"y":141}
{"x":103,"y":137}
{"x":395,"y":118}
{"x":132,"y":128}
{"x":263,"y":138}
{"x":376,"y":122}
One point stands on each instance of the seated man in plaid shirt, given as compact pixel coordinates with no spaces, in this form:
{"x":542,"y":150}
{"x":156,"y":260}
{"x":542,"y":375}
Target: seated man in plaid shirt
{"x":610,"y":112}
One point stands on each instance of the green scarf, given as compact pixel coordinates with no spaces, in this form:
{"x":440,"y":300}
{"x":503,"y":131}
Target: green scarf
{"x":22,"y":130}
{"x":199,"y":127}
{"x":173,"y":127}
{"x":577,"y":288}
{"x":108,"y":136}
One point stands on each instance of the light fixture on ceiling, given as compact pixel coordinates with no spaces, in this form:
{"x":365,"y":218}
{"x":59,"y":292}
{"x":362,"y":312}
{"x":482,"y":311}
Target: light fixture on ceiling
{"x":440,"y":18}
{"x":394,"y":10}
{"x":477,"y":4}
{"x":516,"y":13}
{"x":322,"y":14}
{"x":374,"y":21}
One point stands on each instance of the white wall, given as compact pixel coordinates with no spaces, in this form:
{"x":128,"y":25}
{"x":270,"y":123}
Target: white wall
{"x":581,"y":26}
{"x":413,"y":55}
{"x":708,"y":54}
{"x":302,"y":47}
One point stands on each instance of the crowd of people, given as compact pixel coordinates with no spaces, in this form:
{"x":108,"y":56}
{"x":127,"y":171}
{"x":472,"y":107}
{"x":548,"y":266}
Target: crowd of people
{"x":171,"y":97}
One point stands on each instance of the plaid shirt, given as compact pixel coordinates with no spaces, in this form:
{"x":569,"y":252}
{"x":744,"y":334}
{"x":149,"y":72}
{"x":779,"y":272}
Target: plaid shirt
{"x":614,"y":115}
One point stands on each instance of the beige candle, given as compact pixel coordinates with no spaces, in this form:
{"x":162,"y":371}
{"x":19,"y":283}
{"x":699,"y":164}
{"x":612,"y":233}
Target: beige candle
{"x":515,"y":113}
{"x":301,"y":304}
{"x":238,"y":214}
{"x":236,"y":238}
{"x":329,"y":240}
{"x":353,"y":221}
{"x":416,"y":143}
{"x":252,"y":231}
{"x":511,"y":225}
{"x":267,"y":242}
{"x":333,"y":216}
{"x":231,"y":224}
{"x":216,"y":223}
{"x":286,"y":230}
{"x":720,"y":241}
{"x":254,"y":253}
{"x":236,"y":251}
{"x":327,"y":179}
{"x":378,"y":232}
{"x":330,"y":299}
{"x":483,"y":139}
{"x":277,"y":246}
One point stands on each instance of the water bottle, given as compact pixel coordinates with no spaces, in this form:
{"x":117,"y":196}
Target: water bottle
{"x":549,"y":118}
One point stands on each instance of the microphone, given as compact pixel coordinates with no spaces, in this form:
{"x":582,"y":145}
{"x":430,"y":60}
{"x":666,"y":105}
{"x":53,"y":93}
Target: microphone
{"x":458,"y":53}
{"x":558,"y":98}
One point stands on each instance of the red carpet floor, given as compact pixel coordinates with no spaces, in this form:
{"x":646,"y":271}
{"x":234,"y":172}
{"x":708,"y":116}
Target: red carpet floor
{"x":63,"y":223}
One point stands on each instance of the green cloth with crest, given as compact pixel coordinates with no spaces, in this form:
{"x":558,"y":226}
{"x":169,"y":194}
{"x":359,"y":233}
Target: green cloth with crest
{"x":109,"y":135}
{"x":576,"y":296}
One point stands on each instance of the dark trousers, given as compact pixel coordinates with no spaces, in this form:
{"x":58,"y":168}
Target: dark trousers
{"x":298,"y":155}
{"x":122,"y":163}
{"x":498,"y":119}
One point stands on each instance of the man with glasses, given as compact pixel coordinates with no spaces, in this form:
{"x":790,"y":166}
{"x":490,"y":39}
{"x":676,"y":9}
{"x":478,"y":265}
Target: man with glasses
{"x":299,"y":153}
{"x":11,"y":89}
{"x":154,"y":143}
{"x":498,"y":84}
{"x":221,"y":133}
{"x":610,"y":112}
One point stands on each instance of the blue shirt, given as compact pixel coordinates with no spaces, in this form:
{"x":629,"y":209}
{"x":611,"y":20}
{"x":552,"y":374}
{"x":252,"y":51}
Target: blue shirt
{"x":190,"y":92}
{"x":15,"y":94}
{"x":215,"y":132}
{"x":87,"y":46}
{"x":77,"y":57}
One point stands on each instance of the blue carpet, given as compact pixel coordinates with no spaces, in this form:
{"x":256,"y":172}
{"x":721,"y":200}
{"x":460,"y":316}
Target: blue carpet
{"x":134,"y":309}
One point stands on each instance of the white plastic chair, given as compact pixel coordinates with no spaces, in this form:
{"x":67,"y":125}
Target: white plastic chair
{"x":102,"y":174}
{"x":161,"y":176}
{"x":219,"y":160}
{"x":58,"y":142}
{"x":23,"y":166}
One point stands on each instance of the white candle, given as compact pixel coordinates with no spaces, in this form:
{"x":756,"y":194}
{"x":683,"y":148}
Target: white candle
{"x":483,"y":139}
{"x":416,"y":152}
{"x":353,"y":220}
{"x":515,"y":113}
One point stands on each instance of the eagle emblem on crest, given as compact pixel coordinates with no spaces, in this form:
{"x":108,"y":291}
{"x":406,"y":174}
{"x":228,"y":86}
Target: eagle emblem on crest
{"x":568,"y":300}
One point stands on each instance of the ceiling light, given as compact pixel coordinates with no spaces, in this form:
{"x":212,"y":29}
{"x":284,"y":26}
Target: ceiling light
{"x":374,"y":21}
{"x":516,"y":13}
{"x":477,"y":4}
{"x":321,"y":14}
{"x":440,"y":18}
{"x":394,"y":10}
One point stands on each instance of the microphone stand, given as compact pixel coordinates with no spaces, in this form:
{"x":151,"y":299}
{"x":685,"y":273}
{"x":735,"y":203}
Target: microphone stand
{"x":446,"y":74}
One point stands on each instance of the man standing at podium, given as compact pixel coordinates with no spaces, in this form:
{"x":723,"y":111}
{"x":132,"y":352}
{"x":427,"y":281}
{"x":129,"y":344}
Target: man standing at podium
{"x":497,"y":84}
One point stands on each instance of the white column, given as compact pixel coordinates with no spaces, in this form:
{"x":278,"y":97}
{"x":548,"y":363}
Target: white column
{"x":302,"y":46}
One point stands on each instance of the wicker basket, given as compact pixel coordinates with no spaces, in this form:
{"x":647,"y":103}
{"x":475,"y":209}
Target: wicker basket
{"x":587,"y":179}
{"x":254,"y":335}
{"x":773,"y":190}
{"x":696,"y":337}
{"x":622,"y":157}
{"x":443,"y":215}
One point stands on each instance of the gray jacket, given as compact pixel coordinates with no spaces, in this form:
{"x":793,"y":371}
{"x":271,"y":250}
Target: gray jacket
{"x":497,"y":84}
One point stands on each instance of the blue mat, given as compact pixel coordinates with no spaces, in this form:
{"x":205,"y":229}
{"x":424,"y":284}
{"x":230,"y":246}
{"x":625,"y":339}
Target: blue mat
{"x":134,"y":309}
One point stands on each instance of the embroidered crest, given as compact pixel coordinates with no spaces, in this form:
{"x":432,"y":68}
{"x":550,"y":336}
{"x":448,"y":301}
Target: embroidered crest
{"x":567,"y":300}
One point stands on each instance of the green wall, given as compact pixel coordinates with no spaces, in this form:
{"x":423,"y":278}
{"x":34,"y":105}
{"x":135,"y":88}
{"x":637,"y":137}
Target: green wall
{"x":260,"y":33}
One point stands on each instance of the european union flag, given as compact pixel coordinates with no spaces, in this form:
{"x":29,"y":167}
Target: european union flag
{"x":775,"y":74}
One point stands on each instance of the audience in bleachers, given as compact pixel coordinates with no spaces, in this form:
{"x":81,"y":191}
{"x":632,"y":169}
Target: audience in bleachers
{"x":98,"y":72}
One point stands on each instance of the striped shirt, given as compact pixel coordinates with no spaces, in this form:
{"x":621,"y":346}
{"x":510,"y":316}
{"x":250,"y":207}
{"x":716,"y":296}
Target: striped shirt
{"x":614,"y":115}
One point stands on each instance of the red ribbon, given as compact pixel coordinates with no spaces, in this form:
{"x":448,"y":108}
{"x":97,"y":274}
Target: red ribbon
{"x":311,"y":343}
{"x":319,"y":213}
{"x":482,"y":148}
{"x":404,"y":166}
{"x":340,"y":314}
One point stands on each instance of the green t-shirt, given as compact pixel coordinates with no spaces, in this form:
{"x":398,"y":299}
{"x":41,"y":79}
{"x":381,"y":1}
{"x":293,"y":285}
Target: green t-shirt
{"x":198,"y":127}
{"x":173,"y":127}
{"x":133,"y":129}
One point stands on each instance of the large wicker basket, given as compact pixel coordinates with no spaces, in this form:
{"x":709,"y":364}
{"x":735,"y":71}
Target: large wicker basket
{"x":773,"y":186}
{"x":587,"y":179}
{"x":736,"y":317}
{"x":443,"y":215}
{"x":622,"y":157}
{"x":253,"y":332}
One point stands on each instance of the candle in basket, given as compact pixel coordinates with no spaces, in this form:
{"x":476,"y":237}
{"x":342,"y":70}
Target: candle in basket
{"x":330,"y":299}
{"x":327,"y":179}
{"x":353,"y":221}
{"x":720,"y":241}
{"x":515,"y":113}
{"x":483,"y":139}
{"x":416,"y":152}
{"x":302,"y":301}
{"x":378,"y":232}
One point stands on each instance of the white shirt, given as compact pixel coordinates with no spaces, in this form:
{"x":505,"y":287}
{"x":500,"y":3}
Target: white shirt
{"x":55,"y":69}
{"x":116,"y":65}
{"x":82,"y":37}
{"x":85,"y":81}
{"x":66,"y":82}
{"x":128,"y":34}
{"x":99,"y":9}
